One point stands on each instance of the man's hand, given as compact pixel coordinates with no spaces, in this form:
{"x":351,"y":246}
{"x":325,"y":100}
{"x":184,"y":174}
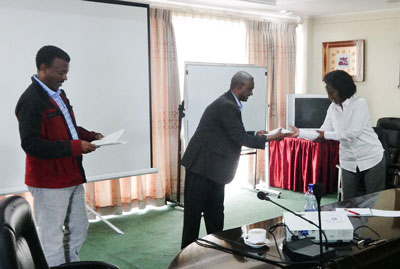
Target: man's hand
{"x":295,"y":132}
{"x":262,"y":132}
{"x":321,"y":136}
{"x":87,"y":147}
{"x":98,"y":136}
{"x":278,"y":136}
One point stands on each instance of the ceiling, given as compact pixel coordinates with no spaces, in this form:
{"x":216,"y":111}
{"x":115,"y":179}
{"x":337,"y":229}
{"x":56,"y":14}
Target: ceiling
{"x":276,"y":8}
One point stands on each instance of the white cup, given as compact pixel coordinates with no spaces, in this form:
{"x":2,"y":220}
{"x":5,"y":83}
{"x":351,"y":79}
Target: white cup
{"x":257,"y":235}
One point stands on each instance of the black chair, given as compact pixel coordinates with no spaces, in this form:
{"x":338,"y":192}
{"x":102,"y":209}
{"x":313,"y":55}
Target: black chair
{"x":390,"y":138}
{"x":20,"y":246}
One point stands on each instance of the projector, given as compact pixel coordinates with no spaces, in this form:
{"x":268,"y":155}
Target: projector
{"x":335,"y":224}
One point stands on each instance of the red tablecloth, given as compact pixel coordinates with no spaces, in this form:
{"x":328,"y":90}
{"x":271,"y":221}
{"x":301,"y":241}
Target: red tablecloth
{"x":294,"y":163}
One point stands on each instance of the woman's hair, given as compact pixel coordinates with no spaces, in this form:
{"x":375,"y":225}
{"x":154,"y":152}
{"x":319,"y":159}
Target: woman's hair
{"x":342,"y":82}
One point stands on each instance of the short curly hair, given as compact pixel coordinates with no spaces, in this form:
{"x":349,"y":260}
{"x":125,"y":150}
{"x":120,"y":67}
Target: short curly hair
{"x":47,"y":54}
{"x":240,"y":78}
{"x":342,"y":82}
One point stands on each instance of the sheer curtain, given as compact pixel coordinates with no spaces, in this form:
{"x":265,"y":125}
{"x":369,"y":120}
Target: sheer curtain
{"x":203,"y":37}
{"x":115,"y":196}
{"x":273,"y":44}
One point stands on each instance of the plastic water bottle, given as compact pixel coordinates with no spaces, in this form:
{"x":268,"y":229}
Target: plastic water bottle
{"x":310,"y":201}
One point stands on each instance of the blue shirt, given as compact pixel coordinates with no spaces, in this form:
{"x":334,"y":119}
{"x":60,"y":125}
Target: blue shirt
{"x":240,"y":105}
{"x":55,"y":95}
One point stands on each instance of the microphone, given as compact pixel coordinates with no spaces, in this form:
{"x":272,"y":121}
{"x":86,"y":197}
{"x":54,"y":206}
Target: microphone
{"x":263,"y":196}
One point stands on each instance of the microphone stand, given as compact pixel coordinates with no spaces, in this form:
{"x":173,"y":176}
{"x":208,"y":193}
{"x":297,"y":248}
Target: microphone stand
{"x":320,"y":231}
{"x":266,"y":198}
{"x":263,"y":196}
{"x":318,"y":190}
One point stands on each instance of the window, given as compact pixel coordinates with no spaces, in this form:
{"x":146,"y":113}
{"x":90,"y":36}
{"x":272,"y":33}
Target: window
{"x":203,"y":38}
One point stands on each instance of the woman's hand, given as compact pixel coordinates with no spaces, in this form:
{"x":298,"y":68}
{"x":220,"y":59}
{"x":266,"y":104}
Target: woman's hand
{"x":321,"y":136}
{"x":295,"y":132}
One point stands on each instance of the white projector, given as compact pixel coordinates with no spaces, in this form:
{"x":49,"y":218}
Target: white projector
{"x":335,"y":224}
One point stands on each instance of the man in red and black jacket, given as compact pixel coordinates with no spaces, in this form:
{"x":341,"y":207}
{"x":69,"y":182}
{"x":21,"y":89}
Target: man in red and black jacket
{"x":54,"y":145}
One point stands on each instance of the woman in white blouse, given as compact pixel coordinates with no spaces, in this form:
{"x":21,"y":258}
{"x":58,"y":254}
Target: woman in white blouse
{"x":348,"y":121}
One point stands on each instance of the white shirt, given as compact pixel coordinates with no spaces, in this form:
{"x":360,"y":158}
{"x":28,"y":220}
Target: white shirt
{"x":351,"y":126}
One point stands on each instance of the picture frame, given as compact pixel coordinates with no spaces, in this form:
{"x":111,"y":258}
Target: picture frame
{"x":344,"y":55}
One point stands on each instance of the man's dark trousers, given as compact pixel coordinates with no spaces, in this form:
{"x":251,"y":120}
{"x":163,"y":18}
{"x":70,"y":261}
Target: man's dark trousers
{"x":202,"y":195}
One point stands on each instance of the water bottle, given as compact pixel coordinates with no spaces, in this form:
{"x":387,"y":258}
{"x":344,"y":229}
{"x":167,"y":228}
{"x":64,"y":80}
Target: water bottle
{"x":310,"y":201}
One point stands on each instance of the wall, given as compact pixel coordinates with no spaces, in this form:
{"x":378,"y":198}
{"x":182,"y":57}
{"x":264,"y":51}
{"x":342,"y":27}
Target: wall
{"x":381,"y":33}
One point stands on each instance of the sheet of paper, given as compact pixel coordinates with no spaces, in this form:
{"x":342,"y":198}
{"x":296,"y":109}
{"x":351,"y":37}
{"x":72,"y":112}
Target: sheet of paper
{"x":111,"y":139}
{"x":274,"y":131}
{"x":385,"y":213}
{"x":356,"y":211}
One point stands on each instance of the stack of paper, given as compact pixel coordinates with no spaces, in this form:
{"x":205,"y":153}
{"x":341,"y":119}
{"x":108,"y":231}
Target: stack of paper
{"x":274,"y":131}
{"x":111,"y":139}
{"x":385,"y":213}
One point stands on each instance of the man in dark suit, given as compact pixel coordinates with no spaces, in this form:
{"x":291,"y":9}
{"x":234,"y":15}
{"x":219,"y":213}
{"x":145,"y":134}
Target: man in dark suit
{"x":212,"y":157}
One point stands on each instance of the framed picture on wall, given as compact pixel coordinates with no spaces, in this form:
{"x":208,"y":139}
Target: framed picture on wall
{"x":344,"y":55}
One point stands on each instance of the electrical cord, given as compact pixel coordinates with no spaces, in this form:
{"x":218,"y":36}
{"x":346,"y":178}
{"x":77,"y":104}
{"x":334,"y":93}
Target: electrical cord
{"x":208,"y":244}
{"x":276,"y":245}
{"x":365,"y":241}
{"x":369,"y":228}
{"x":281,"y":224}
{"x":216,"y":246}
{"x":295,"y":236}
{"x":357,"y":241}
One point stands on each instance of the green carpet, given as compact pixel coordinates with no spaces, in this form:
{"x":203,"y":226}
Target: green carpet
{"x":152,"y":237}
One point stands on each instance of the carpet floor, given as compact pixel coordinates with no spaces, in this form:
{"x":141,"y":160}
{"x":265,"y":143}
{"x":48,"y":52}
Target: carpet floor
{"x":152,"y":236}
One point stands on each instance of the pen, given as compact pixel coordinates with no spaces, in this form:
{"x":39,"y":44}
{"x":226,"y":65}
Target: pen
{"x":352,"y":212}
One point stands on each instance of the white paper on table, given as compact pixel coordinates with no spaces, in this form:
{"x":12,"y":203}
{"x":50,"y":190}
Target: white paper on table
{"x":362,"y":212}
{"x":274,"y":131}
{"x":112,"y":139}
{"x":385,"y":213}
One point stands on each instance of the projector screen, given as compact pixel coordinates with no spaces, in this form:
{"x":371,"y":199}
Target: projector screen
{"x":306,"y":110}
{"x":108,"y":82}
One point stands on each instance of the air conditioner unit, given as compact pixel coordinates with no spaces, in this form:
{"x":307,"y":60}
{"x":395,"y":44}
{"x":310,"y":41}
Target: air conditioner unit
{"x":265,"y":2}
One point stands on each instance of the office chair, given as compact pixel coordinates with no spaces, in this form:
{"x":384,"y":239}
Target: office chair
{"x":20,"y":246}
{"x":391,"y":134}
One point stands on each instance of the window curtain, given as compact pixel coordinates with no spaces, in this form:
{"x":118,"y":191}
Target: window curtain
{"x":115,"y":196}
{"x":273,"y":45}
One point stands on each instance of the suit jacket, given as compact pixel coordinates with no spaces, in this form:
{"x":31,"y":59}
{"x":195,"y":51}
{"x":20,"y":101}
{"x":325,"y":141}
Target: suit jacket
{"x":214,"y":149}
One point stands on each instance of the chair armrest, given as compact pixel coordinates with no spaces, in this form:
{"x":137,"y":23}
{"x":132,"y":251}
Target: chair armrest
{"x":86,"y":265}
{"x":394,"y":167}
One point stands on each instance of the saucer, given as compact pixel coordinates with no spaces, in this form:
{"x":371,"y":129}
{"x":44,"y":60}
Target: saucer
{"x":259,"y":245}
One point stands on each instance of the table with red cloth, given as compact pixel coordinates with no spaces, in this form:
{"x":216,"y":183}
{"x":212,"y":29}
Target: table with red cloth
{"x":294,"y":163}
